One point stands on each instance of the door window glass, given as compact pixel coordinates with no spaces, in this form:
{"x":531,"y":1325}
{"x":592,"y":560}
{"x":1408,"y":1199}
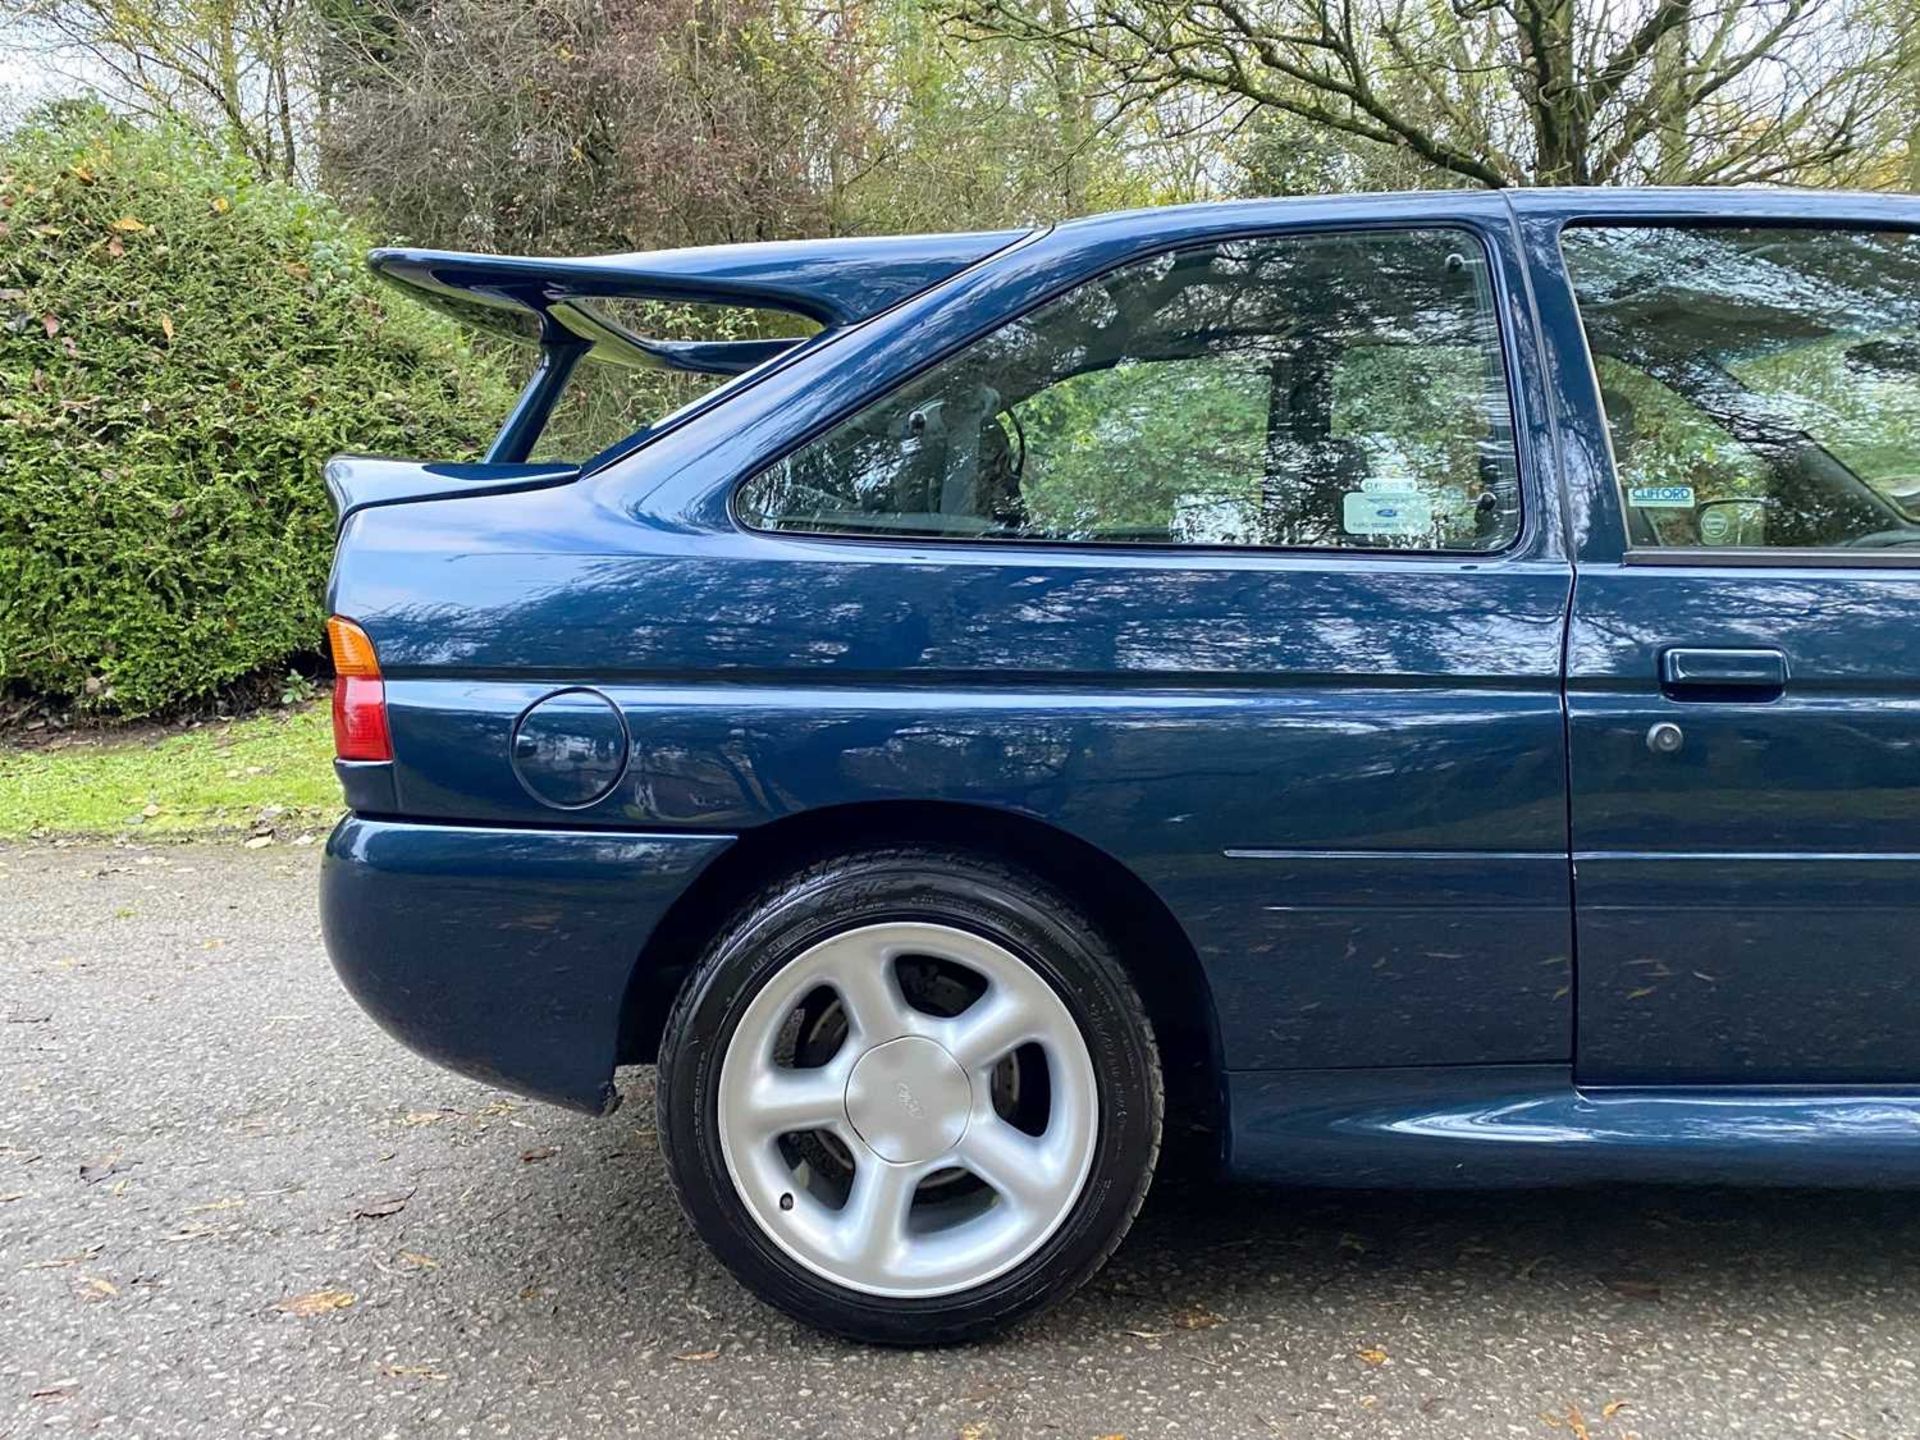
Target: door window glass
{"x":1761,"y":385}
{"x":1330,"y":391}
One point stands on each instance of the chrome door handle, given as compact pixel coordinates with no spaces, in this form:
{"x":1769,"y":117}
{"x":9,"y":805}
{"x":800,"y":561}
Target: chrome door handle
{"x":1699,"y":674}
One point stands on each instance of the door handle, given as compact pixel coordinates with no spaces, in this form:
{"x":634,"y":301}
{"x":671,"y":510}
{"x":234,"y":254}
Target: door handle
{"x":1698,"y":674}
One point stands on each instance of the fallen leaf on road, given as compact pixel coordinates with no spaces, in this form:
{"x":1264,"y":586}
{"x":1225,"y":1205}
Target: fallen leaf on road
{"x":539,"y":1152}
{"x":1197,"y":1317}
{"x":417,"y":1260}
{"x":59,"y":1390}
{"x":1373,"y":1356}
{"x":99,"y":1170}
{"x":97,"y":1288}
{"x":317,"y":1302}
{"x":13,"y":1195}
{"x":698,"y":1355}
{"x":1612,"y":1408}
{"x":1147,"y":1334}
{"x":382,"y":1206}
{"x":412,"y":1372}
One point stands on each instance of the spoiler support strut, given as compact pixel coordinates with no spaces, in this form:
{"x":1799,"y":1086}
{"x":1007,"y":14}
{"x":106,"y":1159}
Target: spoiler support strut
{"x":528,"y":418}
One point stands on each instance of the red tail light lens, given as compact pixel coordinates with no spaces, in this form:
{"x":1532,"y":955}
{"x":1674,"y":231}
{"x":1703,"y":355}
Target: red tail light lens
{"x":360,"y":719}
{"x":359,"y":695}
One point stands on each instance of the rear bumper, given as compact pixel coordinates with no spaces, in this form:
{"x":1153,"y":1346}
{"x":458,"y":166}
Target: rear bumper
{"x":503,"y":954}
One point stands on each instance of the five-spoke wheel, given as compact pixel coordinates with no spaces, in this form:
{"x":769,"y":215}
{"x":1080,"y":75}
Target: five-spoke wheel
{"x":881,"y":1105}
{"x":947,"y":1144}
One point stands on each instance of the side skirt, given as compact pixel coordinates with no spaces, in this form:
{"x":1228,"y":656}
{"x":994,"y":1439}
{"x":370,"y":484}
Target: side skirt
{"x":1518,"y":1125}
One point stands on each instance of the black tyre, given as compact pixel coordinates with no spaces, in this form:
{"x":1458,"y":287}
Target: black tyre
{"x":909,"y":1096}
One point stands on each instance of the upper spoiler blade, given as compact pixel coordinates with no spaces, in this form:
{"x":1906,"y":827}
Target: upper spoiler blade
{"x":551,"y":302}
{"x":832,"y":282}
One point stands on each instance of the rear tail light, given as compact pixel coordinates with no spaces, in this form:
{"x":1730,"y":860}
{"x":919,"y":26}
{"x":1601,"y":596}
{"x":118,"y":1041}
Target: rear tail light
{"x":359,"y":695}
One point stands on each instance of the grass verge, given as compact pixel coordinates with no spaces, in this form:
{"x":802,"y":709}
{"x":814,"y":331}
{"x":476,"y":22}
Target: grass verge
{"x":265,"y":775}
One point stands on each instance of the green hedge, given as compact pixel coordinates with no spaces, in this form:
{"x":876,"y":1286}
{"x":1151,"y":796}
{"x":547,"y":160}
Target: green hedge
{"x":181,"y":346}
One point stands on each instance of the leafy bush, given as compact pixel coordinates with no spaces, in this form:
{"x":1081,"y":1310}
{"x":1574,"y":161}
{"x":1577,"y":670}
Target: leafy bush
{"x":181,"y":346}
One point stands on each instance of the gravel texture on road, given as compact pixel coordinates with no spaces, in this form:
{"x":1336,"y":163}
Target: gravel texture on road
{"x":229,"y":1206}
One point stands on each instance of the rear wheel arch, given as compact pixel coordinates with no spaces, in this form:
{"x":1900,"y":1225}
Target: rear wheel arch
{"x":1159,"y":958}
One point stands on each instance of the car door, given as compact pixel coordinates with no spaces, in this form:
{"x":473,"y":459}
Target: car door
{"x":1743,"y":662}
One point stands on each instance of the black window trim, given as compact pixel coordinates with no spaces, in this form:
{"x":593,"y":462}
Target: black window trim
{"x":1509,"y":361}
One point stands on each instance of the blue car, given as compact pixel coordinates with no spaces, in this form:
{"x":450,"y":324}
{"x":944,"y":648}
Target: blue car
{"x":1414,"y":690}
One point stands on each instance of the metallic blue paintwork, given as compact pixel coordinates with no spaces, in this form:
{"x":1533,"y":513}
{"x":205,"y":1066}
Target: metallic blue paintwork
{"x":503,"y":954}
{"x":358,"y":481}
{"x":1493,"y":1125}
{"x":1747,"y":906}
{"x":1346,"y":775}
{"x":835,"y":282}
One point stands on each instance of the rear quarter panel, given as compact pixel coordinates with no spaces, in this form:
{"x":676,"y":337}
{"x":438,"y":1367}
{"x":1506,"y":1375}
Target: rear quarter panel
{"x":1344,"y":774}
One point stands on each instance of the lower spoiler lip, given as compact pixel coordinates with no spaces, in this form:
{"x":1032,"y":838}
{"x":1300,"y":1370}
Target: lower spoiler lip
{"x":359,"y":482}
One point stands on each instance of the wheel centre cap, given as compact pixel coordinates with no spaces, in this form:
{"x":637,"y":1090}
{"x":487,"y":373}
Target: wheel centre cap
{"x":909,"y":1100}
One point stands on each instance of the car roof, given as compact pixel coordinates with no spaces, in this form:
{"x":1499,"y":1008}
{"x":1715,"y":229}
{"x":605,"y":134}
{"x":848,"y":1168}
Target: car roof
{"x":1564,"y":203}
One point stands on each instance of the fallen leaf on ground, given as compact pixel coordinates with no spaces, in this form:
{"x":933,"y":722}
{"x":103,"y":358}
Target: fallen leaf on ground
{"x":1374,"y":1355}
{"x":317,"y":1302}
{"x":698,"y":1355}
{"x":539,"y":1152}
{"x":417,"y":1260}
{"x":99,"y":1170}
{"x":1147,"y":1334}
{"x":1612,"y":1408}
{"x":1197,"y":1317}
{"x":13,"y":1195}
{"x":412,"y":1372}
{"x":127,"y":225}
{"x":58,"y":1391}
{"x":98,"y":1288}
{"x":382,"y":1206}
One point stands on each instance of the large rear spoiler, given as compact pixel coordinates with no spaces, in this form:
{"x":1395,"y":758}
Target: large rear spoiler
{"x":551,"y":302}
